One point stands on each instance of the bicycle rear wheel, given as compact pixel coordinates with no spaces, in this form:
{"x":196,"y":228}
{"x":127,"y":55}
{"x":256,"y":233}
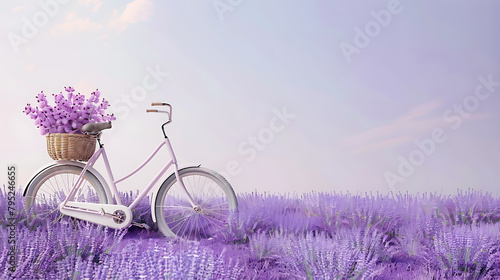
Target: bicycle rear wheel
{"x":51,"y":187}
{"x":215,"y":204}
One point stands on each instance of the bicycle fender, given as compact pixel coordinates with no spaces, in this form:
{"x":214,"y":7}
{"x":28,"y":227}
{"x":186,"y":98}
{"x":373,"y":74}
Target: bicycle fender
{"x":74,"y":163}
{"x":155,"y":193}
{"x":47,"y":166}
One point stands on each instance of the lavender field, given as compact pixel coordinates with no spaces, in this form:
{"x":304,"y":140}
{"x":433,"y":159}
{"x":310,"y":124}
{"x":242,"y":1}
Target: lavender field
{"x":311,"y":236}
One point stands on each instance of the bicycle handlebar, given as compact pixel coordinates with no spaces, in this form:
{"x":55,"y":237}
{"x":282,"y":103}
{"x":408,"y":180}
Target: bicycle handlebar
{"x":162,"y":111}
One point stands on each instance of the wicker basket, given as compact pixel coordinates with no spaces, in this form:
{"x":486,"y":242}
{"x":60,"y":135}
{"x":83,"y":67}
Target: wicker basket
{"x":66,"y":146}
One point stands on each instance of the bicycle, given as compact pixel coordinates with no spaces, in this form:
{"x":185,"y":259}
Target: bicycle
{"x":193,"y":202}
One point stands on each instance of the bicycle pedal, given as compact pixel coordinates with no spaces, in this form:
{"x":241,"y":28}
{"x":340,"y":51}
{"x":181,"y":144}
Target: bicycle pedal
{"x":141,"y":225}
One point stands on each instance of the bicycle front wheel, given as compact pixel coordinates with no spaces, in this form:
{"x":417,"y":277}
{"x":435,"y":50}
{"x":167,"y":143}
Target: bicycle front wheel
{"x":214,"y":204}
{"x":51,"y":187}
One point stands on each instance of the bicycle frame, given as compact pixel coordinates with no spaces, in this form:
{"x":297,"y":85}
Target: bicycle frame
{"x":114,"y":190}
{"x":110,"y":211}
{"x":96,"y":212}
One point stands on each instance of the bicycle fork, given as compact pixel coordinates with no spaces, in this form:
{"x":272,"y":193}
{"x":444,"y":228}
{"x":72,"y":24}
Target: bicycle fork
{"x":179,"y":179}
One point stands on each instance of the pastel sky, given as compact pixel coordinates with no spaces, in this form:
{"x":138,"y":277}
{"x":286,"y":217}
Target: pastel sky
{"x":279,"y":96}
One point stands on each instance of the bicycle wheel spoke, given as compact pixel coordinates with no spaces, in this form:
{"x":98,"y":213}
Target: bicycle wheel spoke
{"x":202,"y":228}
{"x":174,"y":207}
{"x":215,"y":222}
{"x":52,"y":187}
{"x":218,"y":216}
{"x":213,"y":205}
{"x":183,"y":224}
{"x":173,"y":215}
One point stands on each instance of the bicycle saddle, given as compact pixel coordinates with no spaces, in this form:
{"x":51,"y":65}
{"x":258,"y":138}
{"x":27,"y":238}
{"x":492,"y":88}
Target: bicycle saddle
{"x":96,"y":127}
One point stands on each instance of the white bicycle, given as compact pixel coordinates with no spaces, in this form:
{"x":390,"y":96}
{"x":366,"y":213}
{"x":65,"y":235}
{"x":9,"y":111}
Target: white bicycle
{"x":192,"y":203}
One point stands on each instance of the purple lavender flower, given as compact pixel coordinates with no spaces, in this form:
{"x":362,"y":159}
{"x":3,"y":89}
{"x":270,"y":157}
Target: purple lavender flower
{"x":312,"y":236}
{"x":69,"y":114}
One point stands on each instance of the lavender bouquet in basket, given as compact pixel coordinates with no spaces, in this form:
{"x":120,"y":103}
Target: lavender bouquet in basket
{"x":63,"y":122}
{"x":69,"y":113}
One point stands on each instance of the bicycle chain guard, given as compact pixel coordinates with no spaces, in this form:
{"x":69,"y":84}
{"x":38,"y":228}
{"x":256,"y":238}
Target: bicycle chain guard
{"x":110,"y":215}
